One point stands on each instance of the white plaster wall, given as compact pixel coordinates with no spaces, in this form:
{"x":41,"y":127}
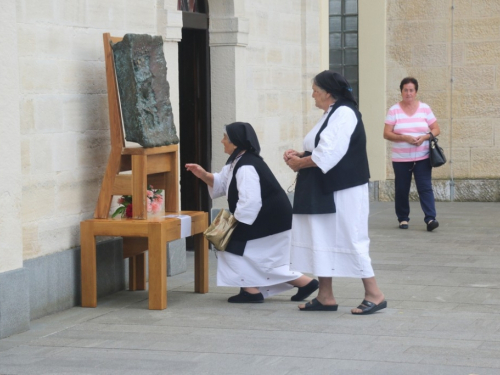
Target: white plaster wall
{"x":64,"y":116}
{"x":10,"y":152}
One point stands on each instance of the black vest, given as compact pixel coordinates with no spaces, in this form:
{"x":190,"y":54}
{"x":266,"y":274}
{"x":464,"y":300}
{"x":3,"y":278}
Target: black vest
{"x":352,"y":170}
{"x":275,"y":215}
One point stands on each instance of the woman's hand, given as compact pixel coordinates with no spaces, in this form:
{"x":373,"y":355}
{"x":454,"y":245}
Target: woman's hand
{"x":393,"y":137}
{"x":421,"y":139}
{"x":196,"y":169}
{"x":293,"y":162}
{"x":289,"y":153}
{"x":297,"y":163}
{"x":201,"y":173}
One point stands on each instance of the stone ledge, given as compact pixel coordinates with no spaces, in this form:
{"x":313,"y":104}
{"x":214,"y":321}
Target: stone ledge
{"x":14,"y":302}
{"x":444,"y":190}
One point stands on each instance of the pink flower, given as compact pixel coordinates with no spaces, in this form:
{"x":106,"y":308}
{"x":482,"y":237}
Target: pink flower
{"x":158,"y":198}
{"x":149,"y":207}
{"x":156,"y":206}
{"x":121,"y":200}
{"x":150,"y":194}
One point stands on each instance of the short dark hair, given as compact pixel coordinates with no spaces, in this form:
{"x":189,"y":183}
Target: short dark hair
{"x":407,"y":80}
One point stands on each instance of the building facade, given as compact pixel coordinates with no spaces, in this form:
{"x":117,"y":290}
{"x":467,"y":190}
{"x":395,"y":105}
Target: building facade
{"x":262,"y":57}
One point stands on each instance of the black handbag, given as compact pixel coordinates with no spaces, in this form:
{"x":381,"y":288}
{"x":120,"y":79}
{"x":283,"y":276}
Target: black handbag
{"x":436,"y":153}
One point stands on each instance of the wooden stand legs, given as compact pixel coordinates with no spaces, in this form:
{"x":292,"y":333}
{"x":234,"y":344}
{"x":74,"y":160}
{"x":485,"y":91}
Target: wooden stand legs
{"x":157,"y":267}
{"x":89,"y":268}
{"x":143,"y":234}
{"x":137,"y":272}
{"x":200,"y":264}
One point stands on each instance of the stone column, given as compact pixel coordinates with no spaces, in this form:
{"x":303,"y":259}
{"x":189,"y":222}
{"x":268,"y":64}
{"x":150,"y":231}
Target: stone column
{"x":169,"y":26}
{"x":228,"y":39}
{"x":372,"y":81}
{"x":14,"y":301}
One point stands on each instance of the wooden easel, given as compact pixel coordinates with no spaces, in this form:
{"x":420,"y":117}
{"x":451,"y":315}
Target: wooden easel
{"x":157,"y":166}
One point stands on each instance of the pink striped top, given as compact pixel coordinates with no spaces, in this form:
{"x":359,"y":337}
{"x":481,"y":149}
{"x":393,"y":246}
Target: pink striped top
{"x":416,"y":125}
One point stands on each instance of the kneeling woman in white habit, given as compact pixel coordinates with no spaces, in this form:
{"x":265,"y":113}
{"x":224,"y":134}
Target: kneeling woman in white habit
{"x":257,"y":258}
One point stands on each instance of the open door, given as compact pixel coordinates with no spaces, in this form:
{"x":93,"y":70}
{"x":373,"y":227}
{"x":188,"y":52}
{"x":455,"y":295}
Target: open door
{"x":194,"y":100}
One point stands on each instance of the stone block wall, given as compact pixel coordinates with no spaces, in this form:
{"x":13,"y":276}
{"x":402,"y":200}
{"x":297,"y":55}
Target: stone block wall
{"x":453,"y":49}
{"x":64,"y":112}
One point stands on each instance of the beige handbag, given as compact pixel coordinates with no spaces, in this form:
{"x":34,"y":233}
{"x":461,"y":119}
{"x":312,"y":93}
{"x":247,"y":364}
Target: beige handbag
{"x":219,"y":232}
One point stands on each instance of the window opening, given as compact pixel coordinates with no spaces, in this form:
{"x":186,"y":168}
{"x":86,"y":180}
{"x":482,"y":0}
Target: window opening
{"x":343,"y":41}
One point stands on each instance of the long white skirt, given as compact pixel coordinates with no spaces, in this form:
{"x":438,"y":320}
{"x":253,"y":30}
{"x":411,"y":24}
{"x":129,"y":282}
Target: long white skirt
{"x":264,"y":264}
{"x":335,"y":245}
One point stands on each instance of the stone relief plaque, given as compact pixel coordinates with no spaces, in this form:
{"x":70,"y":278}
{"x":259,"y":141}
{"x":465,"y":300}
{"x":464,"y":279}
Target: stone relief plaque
{"x":141,"y":72}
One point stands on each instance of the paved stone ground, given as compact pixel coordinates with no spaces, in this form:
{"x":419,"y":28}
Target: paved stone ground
{"x":443,"y":291}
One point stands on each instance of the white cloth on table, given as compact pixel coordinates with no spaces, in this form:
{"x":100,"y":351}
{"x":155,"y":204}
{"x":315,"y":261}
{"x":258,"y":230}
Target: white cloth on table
{"x":336,"y":244}
{"x":185,"y":224}
{"x":265,"y":262}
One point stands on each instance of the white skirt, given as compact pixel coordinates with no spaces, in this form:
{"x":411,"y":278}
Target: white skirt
{"x":264,"y":264}
{"x":335,"y":245}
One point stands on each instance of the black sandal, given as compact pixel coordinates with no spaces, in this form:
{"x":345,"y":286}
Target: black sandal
{"x":368,"y":307}
{"x":306,"y":290}
{"x":315,"y":305}
{"x":403,"y":226}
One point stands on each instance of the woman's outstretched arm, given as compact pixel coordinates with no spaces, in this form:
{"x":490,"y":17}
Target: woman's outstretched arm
{"x":202,"y":174}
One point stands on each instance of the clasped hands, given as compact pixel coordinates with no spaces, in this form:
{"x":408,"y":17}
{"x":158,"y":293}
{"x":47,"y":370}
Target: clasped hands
{"x":292,"y":158}
{"x":416,"y":141}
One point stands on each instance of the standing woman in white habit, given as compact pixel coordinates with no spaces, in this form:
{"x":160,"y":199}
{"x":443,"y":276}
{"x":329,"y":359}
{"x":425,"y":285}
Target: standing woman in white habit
{"x":331,"y":202}
{"x":258,"y":255}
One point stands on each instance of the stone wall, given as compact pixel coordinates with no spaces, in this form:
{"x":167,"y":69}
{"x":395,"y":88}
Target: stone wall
{"x":453,"y":49}
{"x":10,"y":150}
{"x":64,"y":115}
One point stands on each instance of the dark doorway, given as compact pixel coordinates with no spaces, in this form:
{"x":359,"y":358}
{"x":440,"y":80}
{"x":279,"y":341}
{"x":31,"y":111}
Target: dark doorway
{"x":194,"y":111}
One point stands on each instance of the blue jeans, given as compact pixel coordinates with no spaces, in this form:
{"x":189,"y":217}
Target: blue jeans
{"x":422,"y":171}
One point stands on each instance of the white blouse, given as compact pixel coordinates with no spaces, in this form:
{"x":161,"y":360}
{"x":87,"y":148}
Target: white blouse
{"x":334,"y":139}
{"x":248,"y":185}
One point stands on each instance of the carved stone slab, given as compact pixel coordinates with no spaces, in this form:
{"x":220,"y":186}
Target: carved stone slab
{"x":141,"y":72}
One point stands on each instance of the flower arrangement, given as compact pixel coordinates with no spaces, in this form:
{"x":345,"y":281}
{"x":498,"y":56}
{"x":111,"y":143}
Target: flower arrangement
{"x":155,"y":200}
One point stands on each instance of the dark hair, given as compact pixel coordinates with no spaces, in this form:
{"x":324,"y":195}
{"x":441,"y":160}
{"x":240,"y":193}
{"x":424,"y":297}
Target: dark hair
{"x":335,"y":84}
{"x":407,"y":80}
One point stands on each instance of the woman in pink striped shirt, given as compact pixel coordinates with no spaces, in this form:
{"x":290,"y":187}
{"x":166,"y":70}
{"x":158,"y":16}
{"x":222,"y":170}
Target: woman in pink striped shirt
{"x":407,"y":125}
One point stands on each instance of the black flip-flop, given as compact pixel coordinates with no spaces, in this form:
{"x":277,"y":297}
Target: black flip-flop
{"x":306,"y":290}
{"x":315,"y":305}
{"x":368,"y":307}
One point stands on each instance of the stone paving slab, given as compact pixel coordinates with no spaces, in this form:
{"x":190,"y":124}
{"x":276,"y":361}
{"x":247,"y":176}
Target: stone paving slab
{"x":443,"y":316}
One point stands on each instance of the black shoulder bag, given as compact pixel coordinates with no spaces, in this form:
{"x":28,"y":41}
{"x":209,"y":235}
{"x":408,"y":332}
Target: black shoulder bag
{"x":436,"y":154}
